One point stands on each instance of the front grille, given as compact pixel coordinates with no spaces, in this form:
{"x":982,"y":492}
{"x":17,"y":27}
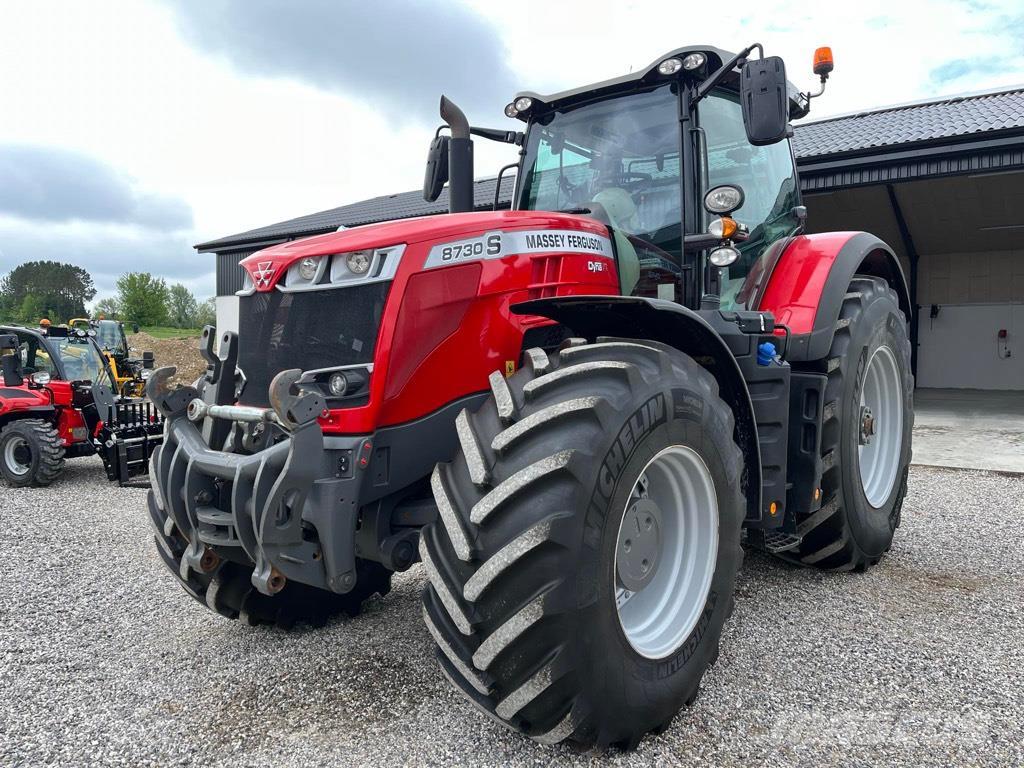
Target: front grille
{"x":306,"y":330}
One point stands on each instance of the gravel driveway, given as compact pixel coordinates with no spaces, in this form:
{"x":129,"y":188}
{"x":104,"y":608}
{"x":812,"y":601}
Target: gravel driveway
{"x":106,"y":661}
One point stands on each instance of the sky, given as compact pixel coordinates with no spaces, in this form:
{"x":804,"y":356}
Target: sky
{"x":134,"y":129}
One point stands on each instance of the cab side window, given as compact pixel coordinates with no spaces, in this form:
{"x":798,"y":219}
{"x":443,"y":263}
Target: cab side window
{"x":34,"y":357}
{"x":766,"y":176}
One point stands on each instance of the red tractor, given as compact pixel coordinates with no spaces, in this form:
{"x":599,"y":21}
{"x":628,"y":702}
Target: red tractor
{"x":56,"y":402}
{"x":572,"y":412}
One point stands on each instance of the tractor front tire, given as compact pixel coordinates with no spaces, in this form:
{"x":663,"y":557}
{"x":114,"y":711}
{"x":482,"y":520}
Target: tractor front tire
{"x":866,"y":433}
{"x":227,"y":588}
{"x":31,"y":453}
{"x":606,"y":465}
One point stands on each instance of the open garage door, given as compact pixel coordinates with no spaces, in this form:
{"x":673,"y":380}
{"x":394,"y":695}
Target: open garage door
{"x":961,"y":241}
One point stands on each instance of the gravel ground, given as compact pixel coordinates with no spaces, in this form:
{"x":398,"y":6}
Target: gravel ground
{"x":106,"y":661}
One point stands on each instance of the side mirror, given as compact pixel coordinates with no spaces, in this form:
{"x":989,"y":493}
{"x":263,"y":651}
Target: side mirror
{"x":437,"y":168}
{"x":135,"y":327}
{"x":148,"y":360}
{"x":765,"y":101}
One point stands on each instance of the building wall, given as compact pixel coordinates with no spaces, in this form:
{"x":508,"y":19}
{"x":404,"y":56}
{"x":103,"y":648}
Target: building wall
{"x":227,"y":313}
{"x":977,"y":294}
{"x":229,"y":274}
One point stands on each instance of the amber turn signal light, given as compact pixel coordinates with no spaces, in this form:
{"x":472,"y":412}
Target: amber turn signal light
{"x":723,"y":227}
{"x":823,"y":63}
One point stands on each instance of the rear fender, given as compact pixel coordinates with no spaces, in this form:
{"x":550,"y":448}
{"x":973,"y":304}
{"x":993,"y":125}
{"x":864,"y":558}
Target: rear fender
{"x":806,"y":287}
{"x":676,"y":326}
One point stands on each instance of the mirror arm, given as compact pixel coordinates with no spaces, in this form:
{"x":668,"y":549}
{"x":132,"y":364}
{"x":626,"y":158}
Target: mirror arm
{"x":495,"y":134}
{"x":821,"y":90}
{"x":720,"y":74}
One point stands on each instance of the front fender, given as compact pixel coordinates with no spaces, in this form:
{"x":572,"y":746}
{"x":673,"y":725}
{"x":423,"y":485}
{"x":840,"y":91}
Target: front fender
{"x":679,"y":327}
{"x":806,"y":287}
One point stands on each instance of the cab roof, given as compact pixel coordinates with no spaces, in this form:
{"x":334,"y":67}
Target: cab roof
{"x":642,"y":77}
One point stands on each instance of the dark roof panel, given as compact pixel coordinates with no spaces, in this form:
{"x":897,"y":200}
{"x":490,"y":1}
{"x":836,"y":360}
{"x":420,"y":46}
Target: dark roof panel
{"x":910,"y":124}
{"x":901,"y":126}
{"x":403,"y":205}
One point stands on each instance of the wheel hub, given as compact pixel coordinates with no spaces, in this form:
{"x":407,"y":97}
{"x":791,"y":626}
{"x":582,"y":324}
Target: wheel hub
{"x":18,"y":456}
{"x":880,"y":428}
{"x":867,"y":425}
{"x":639,"y":546}
{"x":666,"y":551}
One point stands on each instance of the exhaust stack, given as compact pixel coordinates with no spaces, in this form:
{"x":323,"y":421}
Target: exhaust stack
{"x":460,"y":158}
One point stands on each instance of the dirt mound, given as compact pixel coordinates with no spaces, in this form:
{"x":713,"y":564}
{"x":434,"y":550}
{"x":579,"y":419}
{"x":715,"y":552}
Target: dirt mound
{"x":183,"y":354}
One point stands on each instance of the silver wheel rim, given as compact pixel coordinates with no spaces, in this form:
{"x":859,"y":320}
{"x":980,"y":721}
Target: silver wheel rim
{"x":18,"y":462}
{"x":677,"y":488}
{"x":880,"y":426}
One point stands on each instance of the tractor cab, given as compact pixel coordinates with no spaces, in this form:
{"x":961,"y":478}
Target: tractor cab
{"x":643,"y":153}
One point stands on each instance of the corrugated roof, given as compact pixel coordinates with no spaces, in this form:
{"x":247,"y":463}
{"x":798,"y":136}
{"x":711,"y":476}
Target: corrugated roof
{"x":939,"y":120}
{"x":403,"y":205}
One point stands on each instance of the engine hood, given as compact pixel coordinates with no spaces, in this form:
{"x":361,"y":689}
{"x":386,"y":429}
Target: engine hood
{"x":267,"y":266}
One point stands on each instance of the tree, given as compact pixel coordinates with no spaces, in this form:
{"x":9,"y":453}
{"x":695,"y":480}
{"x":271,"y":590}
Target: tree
{"x":207,"y":314}
{"x":143,"y":298}
{"x":108,"y":308}
{"x":182,"y":308}
{"x":50,"y":287}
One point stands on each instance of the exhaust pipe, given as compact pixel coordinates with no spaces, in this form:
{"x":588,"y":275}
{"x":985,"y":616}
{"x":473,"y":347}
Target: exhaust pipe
{"x":460,"y":158}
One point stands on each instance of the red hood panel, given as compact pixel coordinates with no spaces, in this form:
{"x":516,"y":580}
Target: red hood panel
{"x":267,"y":266}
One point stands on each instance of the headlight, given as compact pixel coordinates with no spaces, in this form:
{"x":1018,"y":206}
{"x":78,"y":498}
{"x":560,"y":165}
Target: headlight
{"x":694,"y":61}
{"x":670,"y":66}
{"x":337,"y":384}
{"x":40,"y":378}
{"x":723,"y":199}
{"x":358,"y":262}
{"x":724,"y":256}
{"x":523,"y":103}
{"x":145,"y":373}
{"x":365,"y":265}
{"x":308,"y":268}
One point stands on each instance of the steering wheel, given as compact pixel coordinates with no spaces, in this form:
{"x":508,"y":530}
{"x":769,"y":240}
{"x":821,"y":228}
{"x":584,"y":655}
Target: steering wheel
{"x":634,"y":181}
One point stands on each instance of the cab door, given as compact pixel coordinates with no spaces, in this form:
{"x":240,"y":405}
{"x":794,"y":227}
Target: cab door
{"x":767,"y":176}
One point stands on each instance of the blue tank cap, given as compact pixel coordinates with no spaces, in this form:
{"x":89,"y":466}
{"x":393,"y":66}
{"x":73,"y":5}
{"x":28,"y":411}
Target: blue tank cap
{"x":765,"y":353}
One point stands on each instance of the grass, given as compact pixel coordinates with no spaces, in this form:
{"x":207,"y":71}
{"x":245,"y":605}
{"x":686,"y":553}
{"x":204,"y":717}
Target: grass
{"x":164,"y":332}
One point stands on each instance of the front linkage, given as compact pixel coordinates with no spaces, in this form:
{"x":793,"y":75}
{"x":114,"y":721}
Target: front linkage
{"x":234,"y":480}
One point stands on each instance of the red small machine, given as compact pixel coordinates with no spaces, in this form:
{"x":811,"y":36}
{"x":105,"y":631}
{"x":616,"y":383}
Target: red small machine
{"x":56,"y":402}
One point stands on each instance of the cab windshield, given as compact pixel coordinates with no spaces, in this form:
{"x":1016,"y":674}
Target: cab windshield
{"x":619,"y":158}
{"x":80,"y":358}
{"x":110,"y":337}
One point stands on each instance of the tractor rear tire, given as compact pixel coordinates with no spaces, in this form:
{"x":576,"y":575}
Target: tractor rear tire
{"x":535,"y":513}
{"x":227,"y":589}
{"x":852,"y":531}
{"x":31,"y":453}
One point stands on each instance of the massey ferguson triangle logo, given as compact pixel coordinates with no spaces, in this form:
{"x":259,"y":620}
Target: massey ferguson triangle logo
{"x":262,"y":274}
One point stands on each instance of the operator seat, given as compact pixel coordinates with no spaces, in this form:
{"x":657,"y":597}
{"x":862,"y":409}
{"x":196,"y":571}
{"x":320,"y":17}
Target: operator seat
{"x":615,"y":207}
